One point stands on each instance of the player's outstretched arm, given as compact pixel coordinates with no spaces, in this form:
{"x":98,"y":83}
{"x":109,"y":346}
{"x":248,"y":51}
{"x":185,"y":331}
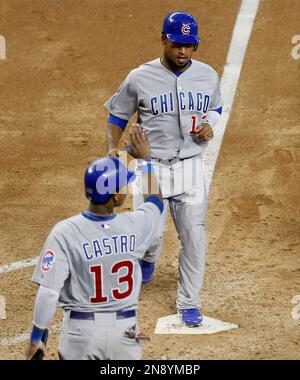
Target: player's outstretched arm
{"x":113,"y":136}
{"x":140,"y":148}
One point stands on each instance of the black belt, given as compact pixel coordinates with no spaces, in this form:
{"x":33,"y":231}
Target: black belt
{"x":91,"y":315}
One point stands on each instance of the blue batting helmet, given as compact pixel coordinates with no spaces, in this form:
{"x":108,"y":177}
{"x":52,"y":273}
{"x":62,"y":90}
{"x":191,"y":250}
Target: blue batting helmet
{"x":105,"y":177}
{"x":181,"y":27}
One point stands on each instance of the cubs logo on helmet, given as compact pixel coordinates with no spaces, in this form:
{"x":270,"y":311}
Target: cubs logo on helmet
{"x":186,"y":29}
{"x":48,"y":261}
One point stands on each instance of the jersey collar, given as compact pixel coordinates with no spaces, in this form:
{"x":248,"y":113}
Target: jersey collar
{"x":97,"y":218}
{"x":172,"y":72}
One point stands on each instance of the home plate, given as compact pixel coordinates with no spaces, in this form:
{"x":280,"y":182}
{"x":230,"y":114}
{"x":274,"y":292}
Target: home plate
{"x":173,"y":324}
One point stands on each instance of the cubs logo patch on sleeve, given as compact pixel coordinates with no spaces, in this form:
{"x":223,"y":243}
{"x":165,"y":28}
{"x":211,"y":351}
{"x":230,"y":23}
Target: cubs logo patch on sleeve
{"x":48,"y":261}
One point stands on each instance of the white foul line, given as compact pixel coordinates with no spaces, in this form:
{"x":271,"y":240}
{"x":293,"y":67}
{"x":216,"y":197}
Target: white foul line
{"x":234,"y":61}
{"x":18,"y":265}
{"x":55,"y":329}
{"x":14,"y":340}
{"x":232,"y":70}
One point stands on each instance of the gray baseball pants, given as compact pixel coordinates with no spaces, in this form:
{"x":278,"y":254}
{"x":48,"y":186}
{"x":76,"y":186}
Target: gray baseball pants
{"x":101,"y":338}
{"x":184,"y":191}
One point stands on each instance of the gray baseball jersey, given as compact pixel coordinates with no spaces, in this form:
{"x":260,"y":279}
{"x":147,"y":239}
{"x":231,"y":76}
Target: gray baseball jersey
{"x":92,"y":261}
{"x":169,"y":106}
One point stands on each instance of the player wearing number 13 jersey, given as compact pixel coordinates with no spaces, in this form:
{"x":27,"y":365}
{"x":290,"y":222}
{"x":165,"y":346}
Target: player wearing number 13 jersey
{"x":90,"y":264}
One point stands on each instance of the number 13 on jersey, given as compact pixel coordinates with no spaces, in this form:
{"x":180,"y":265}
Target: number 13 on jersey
{"x":97,"y":270}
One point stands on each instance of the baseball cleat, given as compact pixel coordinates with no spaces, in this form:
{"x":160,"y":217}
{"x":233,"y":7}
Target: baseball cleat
{"x":191,"y":317}
{"x":147,"y":271}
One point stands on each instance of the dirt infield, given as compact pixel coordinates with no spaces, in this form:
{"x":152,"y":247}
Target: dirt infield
{"x":64,"y":59}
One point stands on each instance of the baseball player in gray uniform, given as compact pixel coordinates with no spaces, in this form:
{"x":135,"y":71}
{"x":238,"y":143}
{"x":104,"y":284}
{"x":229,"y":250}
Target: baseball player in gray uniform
{"x":90,"y":265}
{"x":178,"y":103}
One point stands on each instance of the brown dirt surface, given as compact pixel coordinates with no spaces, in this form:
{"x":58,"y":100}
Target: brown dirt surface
{"x":64,"y":59}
